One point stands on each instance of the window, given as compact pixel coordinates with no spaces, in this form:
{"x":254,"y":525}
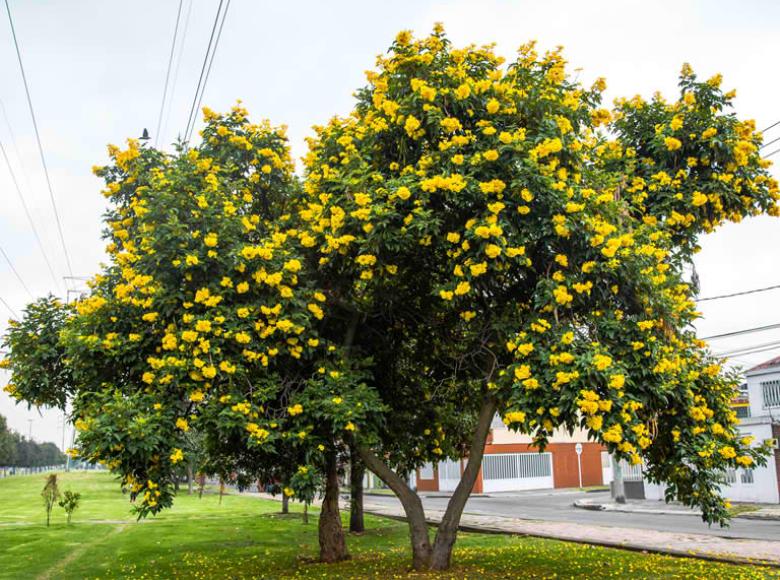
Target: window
{"x":426,"y":471}
{"x":771,"y":393}
{"x":742,"y":412}
{"x":746,"y":476}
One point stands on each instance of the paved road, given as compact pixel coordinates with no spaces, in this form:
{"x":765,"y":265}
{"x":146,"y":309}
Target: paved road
{"x":557,"y":507}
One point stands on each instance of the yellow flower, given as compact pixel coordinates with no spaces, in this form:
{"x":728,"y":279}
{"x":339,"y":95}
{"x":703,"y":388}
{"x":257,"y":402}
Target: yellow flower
{"x":490,"y":155}
{"x":617,"y":381}
{"x":242,"y":288}
{"x":699,"y":198}
{"x":710,"y":132}
{"x":602,"y":362}
{"x":562,"y":295}
{"x":462,"y":288}
{"x":296,"y":409}
{"x":403,"y":193}
{"x":182,"y":424}
{"x":522,"y":372}
{"x":672,"y":144}
{"x":177,"y":456}
{"x":411,"y":125}
{"x":210,"y":240}
{"x":366,"y":260}
{"x":493,"y":106}
{"x":203,"y":326}
{"x":493,"y":251}
{"x":350,"y":426}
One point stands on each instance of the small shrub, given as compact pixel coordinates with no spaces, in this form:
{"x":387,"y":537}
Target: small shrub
{"x":69,"y":502}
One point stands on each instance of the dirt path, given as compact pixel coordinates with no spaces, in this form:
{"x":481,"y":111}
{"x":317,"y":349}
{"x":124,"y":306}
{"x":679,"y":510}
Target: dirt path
{"x":60,"y":567}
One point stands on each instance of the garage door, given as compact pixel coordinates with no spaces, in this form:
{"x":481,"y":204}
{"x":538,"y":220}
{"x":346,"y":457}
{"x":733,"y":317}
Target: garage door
{"x":517,"y":471}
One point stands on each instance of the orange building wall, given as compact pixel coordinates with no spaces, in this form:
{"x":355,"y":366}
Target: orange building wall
{"x":565,"y":472}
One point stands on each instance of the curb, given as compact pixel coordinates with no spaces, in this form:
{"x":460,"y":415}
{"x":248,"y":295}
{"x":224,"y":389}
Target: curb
{"x":584,"y":505}
{"x":609,"y":508}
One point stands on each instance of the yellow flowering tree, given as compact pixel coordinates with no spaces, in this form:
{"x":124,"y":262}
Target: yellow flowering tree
{"x":208,"y":318}
{"x":512,"y":243}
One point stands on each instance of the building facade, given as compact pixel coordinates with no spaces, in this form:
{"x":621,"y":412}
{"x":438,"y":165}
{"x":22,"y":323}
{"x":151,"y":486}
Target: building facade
{"x":511,"y":463}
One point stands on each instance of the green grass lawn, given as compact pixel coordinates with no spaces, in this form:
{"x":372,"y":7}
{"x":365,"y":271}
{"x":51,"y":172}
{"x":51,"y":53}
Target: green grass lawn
{"x":245,"y":537}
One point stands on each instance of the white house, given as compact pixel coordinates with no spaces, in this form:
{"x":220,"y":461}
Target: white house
{"x":762,"y":421}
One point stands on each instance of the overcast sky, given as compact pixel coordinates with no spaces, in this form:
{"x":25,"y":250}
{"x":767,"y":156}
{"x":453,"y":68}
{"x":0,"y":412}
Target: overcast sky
{"x":96,"y":71}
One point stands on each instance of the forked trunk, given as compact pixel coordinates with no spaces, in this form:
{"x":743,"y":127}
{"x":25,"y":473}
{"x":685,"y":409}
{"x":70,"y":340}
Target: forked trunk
{"x":447,"y":532}
{"x":333,"y":546}
{"x":415,"y":515}
{"x":356,"y":472}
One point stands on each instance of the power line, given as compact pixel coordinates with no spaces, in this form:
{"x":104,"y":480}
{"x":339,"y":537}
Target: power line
{"x":775,"y":140}
{"x":11,"y":310}
{"x":207,"y":59}
{"x":746,"y":331}
{"x":38,"y":139}
{"x":168,"y":74}
{"x":754,"y":291}
{"x":179,"y":56}
{"x":208,"y":71}
{"x":739,"y":351}
{"x":758,"y":351}
{"x":16,"y":273}
{"x":768,"y":155}
{"x":775,"y":124}
{"x":27,"y":213}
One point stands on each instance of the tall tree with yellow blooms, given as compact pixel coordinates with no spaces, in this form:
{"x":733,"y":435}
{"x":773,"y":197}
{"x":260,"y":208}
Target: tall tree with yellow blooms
{"x":552,"y":234}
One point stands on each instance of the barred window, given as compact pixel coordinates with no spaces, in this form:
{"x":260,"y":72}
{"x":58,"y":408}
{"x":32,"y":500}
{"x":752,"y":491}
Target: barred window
{"x":771,"y":393}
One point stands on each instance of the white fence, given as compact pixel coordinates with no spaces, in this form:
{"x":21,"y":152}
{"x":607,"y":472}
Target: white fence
{"x":517,"y":471}
{"x":449,"y":475}
{"x":9,"y":471}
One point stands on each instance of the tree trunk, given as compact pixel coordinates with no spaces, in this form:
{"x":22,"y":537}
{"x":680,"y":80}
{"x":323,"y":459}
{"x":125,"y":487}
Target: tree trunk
{"x":333,"y":546}
{"x":618,"y":487}
{"x":448,"y":528}
{"x":356,"y":472}
{"x":415,"y":515}
{"x":306,"y":512}
{"x":285,"y":503}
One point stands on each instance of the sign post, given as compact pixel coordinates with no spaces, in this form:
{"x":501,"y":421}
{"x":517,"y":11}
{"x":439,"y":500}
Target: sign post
{"x":578,"y":449}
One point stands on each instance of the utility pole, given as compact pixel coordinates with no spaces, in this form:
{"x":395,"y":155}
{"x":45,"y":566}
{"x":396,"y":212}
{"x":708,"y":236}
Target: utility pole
{"x":618,"y":489}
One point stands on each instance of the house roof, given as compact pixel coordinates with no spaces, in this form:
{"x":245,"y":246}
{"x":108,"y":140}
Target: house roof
{"x":773,"y":362}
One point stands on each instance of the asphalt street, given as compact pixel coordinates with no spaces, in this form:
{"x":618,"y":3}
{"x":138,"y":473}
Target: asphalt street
{"x":558,"y":507}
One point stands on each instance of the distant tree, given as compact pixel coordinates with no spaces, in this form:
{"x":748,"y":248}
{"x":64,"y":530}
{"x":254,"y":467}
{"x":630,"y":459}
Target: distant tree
{"x":7,"y":444}
{"x":69,"y":502}
{"x":40,"y":376}
{"x":50,"y":495}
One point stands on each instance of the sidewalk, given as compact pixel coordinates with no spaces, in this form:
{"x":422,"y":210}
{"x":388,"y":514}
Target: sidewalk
{"x":644,"y":506}
{"x":740,"y":551}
